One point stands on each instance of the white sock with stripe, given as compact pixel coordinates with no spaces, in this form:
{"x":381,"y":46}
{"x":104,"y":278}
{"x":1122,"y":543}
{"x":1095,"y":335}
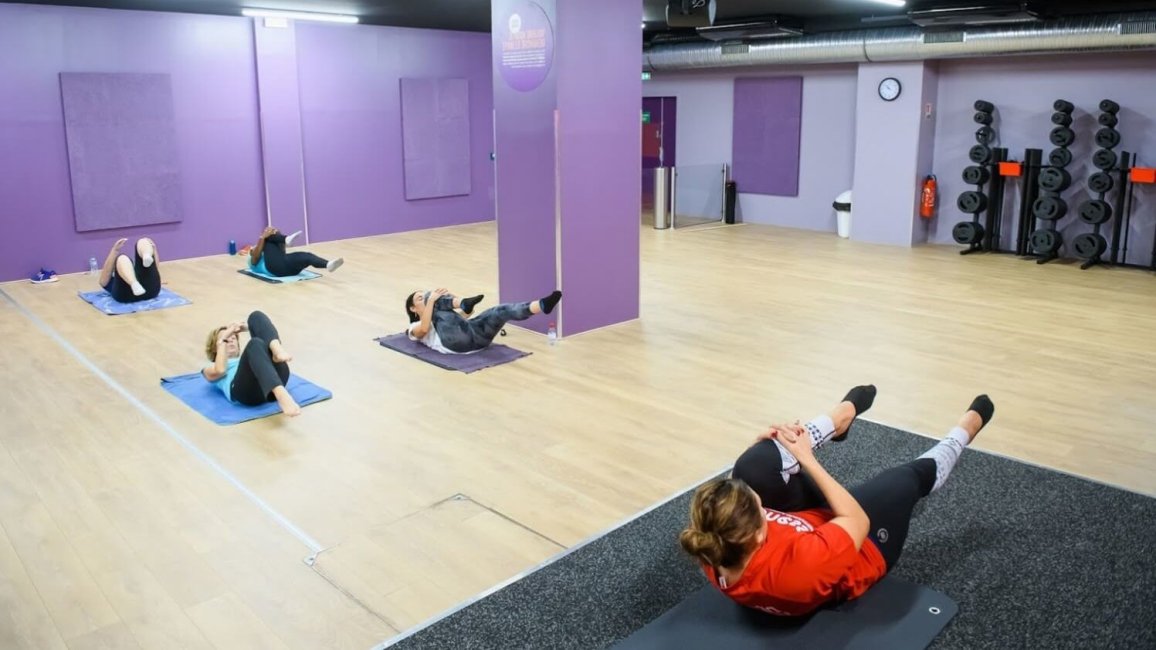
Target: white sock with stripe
{"x":820,"y":430}
{"x":946,"y":454}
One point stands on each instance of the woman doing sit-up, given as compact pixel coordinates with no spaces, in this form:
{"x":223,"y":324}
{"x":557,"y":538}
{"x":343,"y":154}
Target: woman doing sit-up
{"x":259,"y":373}
{"x":132,"y":280}
{"x":788,"y":542}
{"x":269,"y":256}
{"x":434,"y":321}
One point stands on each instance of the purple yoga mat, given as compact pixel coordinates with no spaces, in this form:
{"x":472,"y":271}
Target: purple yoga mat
{"x":495,"y":355}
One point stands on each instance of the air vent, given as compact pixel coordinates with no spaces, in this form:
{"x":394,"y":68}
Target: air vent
{"x":752,"y":31}
{"x":1138,"y":27}
{"x":972,"y":15}
{"x":942,"y":37}
{"x":733,"y":49}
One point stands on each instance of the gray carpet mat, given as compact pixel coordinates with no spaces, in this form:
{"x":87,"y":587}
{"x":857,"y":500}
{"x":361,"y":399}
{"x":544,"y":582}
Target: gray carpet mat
{"x":1034,"y":558}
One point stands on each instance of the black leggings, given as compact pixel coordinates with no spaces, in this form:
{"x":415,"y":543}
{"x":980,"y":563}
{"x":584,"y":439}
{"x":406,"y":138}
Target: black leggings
{"x":257,"y":374}
{"x":282,"y":264}
{"x":149,"y":277}
{"x":888,"y":498}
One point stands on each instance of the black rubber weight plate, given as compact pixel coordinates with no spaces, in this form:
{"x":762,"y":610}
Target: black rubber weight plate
{"x":1107,"y":138}
{"x":1046,"y":242}
{"x":1089,"y":245}
{"x":1104,"y":159}
{"x":984,"y":106}
{"x":1108,"y":119}
{"x":1049,"y":208}
{"x":984,"y":135}
{"x":1095,"y":212}
{"x":967,"y":232}
{"x":1109,"y":106}
{"x":1100,"y":182}
{"x":979,"y":154}
{"x":983,"y":118}
{"x":975,"y":175}
{"x":972,"y":202}
{"x":1063,"y":106}
{"x":1062,"y":119}
{"x":1055,"y":179}
{"x":1062,"y":136}
{"x":1061,"y":157}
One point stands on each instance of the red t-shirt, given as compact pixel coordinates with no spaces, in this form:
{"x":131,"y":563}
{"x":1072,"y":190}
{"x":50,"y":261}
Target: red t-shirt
{"x":804,"y":564}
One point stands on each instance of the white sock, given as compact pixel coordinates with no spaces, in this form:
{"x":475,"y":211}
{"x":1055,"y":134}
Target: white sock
{"x":820,"y":430}
{"x":147,"y":260}
{"x":290,"y":238}
{"x":946,"y":453}
{"x":137,"y":289}
{"x":333,"y":265}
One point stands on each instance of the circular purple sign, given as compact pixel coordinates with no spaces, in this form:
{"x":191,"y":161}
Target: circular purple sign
{"x":525,"y":46}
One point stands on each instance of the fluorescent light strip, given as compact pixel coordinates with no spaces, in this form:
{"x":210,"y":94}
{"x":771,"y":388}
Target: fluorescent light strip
{"x":893,"y":3}
{"x":300,"y":15}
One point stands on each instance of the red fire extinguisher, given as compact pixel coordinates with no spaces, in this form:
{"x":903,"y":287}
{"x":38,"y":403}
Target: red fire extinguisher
{"x":927,"y":200}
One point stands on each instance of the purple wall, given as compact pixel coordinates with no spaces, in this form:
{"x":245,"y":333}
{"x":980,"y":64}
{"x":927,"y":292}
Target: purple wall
{"x":281,"y":151}
{"x":527,"y":210}
{"x":210,"y":60}
{"x":766,"y":135}
{"x":1023,"y":89}
{"x":887,"y":147}
{"x":351,"y":122}
{"x":827,"y":150}
{"x":599,"y":90}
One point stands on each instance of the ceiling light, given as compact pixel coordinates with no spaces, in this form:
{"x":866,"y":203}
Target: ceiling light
{"x":299,"y":15}
{"x":893,"y":3}
{"x":644,"y":25}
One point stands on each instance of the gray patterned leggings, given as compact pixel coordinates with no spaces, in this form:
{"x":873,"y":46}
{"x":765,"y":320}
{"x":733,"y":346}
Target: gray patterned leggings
{"x":470,"y":335}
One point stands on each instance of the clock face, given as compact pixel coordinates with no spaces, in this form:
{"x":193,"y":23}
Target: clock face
{"x":889,"y":89}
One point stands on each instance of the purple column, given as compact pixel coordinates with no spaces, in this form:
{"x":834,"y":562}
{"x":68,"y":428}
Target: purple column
{"x":567,"y":133}
{"x":890,"y":154}
{"x":282,"y":153}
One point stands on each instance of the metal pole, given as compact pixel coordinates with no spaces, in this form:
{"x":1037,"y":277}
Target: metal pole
{"x":661,"y":198}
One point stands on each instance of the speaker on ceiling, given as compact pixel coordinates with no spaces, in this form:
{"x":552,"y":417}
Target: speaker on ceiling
{"x":690,"y":13}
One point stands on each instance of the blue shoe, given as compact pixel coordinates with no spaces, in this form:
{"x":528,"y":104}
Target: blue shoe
{"x":44,"y":276}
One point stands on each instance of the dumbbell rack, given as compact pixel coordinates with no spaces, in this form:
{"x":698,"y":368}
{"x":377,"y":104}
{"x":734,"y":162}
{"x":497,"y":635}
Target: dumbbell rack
{"x":1096,"y":212}
{"x":1053,"y":179}
{"x":981,"y":236}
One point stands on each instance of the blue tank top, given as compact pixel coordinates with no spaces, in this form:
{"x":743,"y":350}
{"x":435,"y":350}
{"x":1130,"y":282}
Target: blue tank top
{"x":259,"y":267}
{"x":224,"y":384}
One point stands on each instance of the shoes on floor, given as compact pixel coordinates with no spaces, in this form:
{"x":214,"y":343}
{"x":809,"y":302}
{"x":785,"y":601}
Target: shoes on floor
{"x":44,"y":276}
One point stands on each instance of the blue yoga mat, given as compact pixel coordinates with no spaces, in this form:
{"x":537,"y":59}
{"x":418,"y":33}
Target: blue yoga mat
{"x":494,"y":355}
{"x":103,"y":301}
{"x":304,"y":275}
{"x":201,"y":396}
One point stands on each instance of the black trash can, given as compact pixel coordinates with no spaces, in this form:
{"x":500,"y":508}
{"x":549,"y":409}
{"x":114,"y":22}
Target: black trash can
{"x":731,"y":196}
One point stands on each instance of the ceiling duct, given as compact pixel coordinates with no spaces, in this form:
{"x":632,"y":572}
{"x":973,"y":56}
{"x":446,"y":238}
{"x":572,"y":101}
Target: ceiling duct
{"x":1100,"y":33}
{"x":973,"y":15}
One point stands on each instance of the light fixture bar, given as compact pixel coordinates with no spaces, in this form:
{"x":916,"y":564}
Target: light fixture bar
{"x":300,"y":15}
{"x":893,"y":3}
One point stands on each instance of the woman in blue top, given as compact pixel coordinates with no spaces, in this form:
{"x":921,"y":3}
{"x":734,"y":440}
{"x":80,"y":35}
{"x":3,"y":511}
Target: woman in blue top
{"x":257,"y":375}
{"x":269,"y":256}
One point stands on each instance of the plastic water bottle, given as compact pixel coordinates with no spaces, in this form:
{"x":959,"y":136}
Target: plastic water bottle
{"x":232,"y":247}
{"x":92,"y":267}
{"x":552,"y":334}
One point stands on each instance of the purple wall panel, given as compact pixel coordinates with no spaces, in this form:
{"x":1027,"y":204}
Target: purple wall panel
{"x":526,"y":201}
{"x":1023,"y":89}
{"x":768,"y":115}
{"x":599,"y":92}
{"x":281,"y":147}
{"x":435,"y":118}
{"x":887,"y":145}
{"x":351,"y":123}
{"x":210,"y":61}
{"x":122,"y":150}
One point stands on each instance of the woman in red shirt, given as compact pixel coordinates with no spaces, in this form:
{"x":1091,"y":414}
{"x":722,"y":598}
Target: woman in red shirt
{"x":788,"y":542}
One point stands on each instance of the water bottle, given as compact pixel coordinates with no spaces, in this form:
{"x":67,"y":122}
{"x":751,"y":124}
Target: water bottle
{"x":552,"y":334}
{"x":232,"y":247}
{"x":92,"y":267}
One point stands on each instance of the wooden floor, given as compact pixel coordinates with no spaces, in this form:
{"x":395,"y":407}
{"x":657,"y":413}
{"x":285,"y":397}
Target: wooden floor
{"x":129,"y":521}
